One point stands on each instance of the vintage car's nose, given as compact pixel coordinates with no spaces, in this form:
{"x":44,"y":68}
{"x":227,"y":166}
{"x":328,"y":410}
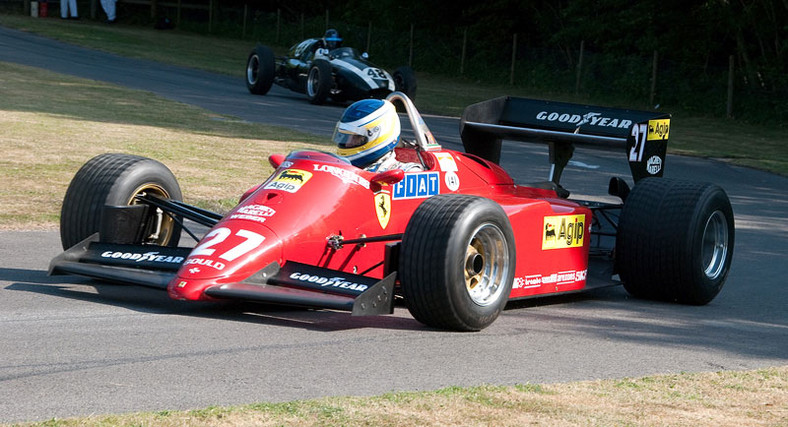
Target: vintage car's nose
{"x":231,"y":252}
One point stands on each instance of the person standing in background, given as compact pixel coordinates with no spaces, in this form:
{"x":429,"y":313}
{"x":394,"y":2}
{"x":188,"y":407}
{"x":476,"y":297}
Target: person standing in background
{"x":109,"y":9}
{"x":67,"y":6}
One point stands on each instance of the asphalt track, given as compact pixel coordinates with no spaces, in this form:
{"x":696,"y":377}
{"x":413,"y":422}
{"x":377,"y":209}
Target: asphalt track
{"x":73,"y":347}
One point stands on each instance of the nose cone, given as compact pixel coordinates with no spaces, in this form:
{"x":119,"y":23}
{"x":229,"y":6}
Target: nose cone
{"x":231,"y":252}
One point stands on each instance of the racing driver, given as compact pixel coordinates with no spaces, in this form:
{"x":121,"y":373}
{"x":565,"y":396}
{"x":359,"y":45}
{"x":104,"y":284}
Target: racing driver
{"x":367,"y":134}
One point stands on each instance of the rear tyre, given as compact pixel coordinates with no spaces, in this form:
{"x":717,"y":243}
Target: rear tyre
{"x":457,"y":262}
{"x":260,"y":70}
{"x":115,"y":179}
{"x":319,"y":82}
{"x":675,"y":241}
{"x":405,"y":81}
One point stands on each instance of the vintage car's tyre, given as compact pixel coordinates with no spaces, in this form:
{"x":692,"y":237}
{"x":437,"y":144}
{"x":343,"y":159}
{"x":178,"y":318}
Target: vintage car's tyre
{"x":319,"y":81}
{"x":675,"y":241}
{"x":114,"y":179}
{"x":405,"y":81}
{"x":260,"y":69}
{"x":457,"y":262}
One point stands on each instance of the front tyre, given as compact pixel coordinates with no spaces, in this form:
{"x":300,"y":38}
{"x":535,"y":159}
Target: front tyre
{"x":260,"y":69}
{"x":115,"y":179}
{"x":319,"y":82}
{"x":675,"y":241}
{"x":457,"y":262}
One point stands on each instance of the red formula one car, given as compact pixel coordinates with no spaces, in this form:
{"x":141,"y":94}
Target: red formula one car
{"x":455,"y":241}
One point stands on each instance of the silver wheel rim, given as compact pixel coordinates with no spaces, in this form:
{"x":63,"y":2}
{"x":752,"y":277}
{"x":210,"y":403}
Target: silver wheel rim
{"x":312,"y":81}
{"x":714,"y":249}
{"x":253,"y":69}
{"x":486,"y":264}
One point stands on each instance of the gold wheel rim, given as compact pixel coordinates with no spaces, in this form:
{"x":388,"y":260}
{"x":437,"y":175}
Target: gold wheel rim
{"x":160,"y":227}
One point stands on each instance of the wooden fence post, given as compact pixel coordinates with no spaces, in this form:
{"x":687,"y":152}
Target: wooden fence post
{"x":369,"y":35}
{"x":326,"y":20}
{"x":580,"y":66}
{"x":729,"y":106}
{"x":210,"y":16}
{"x":464,"y":44}
{"x":653,"y":79}
{"x":278,"y":23}
{"x":246,"y":14}
{"x":514,"y":58}
{"x":410,"y":50}
{"x":178,"y":15}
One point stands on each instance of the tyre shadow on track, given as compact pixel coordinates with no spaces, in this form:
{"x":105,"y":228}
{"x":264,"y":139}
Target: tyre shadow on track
{"x":156,"y":302}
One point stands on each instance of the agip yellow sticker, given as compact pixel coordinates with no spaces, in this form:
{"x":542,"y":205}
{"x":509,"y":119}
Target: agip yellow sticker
{"x":563,"y":231}
{"x":658,"y":130}
{"x":290,"y":180}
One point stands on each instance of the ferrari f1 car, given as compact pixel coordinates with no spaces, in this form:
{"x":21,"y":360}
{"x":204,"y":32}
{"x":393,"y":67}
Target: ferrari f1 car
{"x":455,"y":241}
{"x":341,"y":74}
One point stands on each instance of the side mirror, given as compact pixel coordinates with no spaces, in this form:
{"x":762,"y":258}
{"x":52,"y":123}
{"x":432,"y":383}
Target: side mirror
{"x":365,"y":55}
{"x":276,"y":159}
{"x":386,"y":178}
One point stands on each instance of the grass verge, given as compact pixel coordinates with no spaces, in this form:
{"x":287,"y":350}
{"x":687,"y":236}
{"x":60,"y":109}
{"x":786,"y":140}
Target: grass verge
{"x":52,"y":124}
{"x":740,"y":143}
{"x":752,"y":398}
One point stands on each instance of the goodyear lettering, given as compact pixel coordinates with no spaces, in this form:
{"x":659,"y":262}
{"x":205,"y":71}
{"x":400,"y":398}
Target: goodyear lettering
{"x":564,"y":231}
{"x":417,"y":186}
{"x":218,"y":265}
{"x":594,"y":119}
{"x":335,"y":282}
{"x":147,"y":256}
{"x":345,"y":175}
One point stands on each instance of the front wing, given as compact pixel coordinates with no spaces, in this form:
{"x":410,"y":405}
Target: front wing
{"x":292,"y":284}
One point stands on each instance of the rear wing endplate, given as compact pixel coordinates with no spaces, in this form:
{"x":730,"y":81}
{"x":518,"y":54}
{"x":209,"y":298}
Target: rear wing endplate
{"x":641,"y":135}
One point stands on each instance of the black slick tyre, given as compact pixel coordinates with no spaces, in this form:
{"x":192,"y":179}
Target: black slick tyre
{"x":457,"y":262}
{"x":115,"y":179}
{"x":319,"y":82}
{"x":405,"y":81}
{"x":675,"y":241}
{"x":260,"y":69}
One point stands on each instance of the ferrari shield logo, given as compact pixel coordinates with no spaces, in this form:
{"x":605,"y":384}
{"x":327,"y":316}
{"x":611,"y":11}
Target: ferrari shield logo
{"x":383,"y":208}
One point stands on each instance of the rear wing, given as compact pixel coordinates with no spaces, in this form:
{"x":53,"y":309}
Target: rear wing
{"x":641,"y":135}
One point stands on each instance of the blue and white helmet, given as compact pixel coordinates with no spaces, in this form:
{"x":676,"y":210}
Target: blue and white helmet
{"x":368,"y":130}
{"x":331,"y":39}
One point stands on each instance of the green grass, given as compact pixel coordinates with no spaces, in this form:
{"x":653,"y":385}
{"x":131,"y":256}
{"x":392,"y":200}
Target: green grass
{"x":759,"y":147}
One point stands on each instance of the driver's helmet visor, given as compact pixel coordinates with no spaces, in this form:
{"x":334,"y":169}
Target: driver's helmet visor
{"x":346,"y":139}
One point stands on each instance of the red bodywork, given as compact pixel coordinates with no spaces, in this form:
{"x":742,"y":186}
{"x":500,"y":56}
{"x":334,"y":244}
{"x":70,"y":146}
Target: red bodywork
{"x":314,"y":196}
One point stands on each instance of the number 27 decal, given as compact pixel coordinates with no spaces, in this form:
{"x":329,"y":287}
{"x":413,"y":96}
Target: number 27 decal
{"x":252,"y":240}
{"x":639,"y":132}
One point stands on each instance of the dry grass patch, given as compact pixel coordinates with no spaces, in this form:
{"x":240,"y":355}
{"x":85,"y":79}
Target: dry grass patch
{"x":754,"y":398}
{"x":52,"y":124}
